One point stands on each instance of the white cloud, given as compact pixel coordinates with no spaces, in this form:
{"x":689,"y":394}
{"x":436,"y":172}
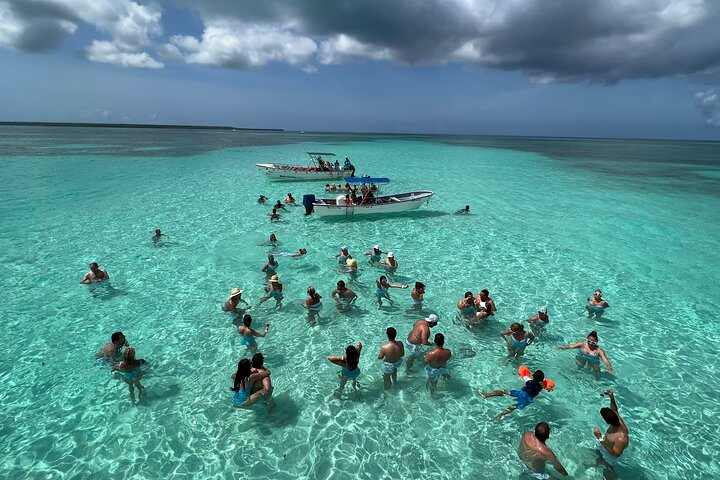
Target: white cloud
{"x":342,"y":48}
{"x":109,"y":52}
{"x":240,"y":45}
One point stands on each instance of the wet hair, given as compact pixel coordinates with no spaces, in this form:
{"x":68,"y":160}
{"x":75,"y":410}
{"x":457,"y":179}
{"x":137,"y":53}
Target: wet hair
{"x":439,"y":339}
{"x":242,"y":373}
{"x":352,"y":358}
{"x":419,"y":285}
{"x":271,"y":257}
{"x":115,"y":337}
{"x":485,"y":291}
{"x":538,"y":376}
{"x":272,"y":235}
{"x":257,"y":360}
{"x":391,"y":333}
{"x":381,"y":277}
{"x":274,"y":210}
{"x":341,"y":283}
{"x":594,"y":335}
{"x":514,"y":327}
{"x":468,"y":294}
{"x":312,"y":293}
{"x":247,"y":320}
{"x":542,"y":431}
{"x":157,"y":231}
{"x":129,"y":355}
{"x":610,"y":416}
{"x":94,"y":264}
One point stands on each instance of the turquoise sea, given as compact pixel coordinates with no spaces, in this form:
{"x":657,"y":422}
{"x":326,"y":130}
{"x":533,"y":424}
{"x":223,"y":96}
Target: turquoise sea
{"x":552,"y":220}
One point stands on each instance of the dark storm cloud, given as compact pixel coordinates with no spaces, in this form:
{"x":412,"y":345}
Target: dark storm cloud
{"x":41,"y":36}
{"x":44,"y":25}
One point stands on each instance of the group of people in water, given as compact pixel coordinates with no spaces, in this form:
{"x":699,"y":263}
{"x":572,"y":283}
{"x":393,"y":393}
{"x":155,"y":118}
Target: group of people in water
{"x":252,"y":380}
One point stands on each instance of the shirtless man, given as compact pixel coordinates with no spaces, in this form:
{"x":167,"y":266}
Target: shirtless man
{"x":484,"y":304}
{"x":95,"y":275}
{"x":534,"y":454}
{"x":391,"y":354}
{"x":264,"y":384}
{"x":616,"y":437}
{"x":436,"y":362}
{"x":418,"y":337}
{"x":417,"y":295}
{"x":158,"y":235}
{"x":113,"y":350}
{"x":343,"y":296}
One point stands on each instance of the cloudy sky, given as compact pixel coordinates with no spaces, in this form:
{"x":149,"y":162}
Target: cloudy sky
{"x":613,"y":68}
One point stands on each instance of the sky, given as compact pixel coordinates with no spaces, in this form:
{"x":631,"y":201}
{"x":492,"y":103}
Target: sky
{"x":587,"y":68}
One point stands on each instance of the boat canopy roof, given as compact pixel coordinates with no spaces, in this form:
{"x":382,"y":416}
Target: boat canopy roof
{"x":321,"y":154}
{"x":366,"y":180}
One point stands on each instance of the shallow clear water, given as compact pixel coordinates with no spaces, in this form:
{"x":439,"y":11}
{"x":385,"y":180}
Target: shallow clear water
{"x":552,"y":220}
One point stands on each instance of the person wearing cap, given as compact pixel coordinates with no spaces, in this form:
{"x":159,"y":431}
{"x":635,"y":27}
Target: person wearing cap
{"x":390,"y":263}
{"x":352,"y":269}
{"x":231,"y":305}
{"x":270,"y":266}
{"x":435,"y":362}
{"x":485,"y":304}
{"x":466,"y":305}
{"x":113,"y":350}
{"x":540,"y":320}
{"x":534,"y":454}
{"x":616,"y":439}
{"x":274,"y":290}
{"x":343,"y":296}
{"x":95,"y":275}
{"x":517,"y":339}
{"x":381,"y":289}
{"x":343,"y":256}
{"x":374,"y":254}
{"x":248,"y":334}
{"x":417,"y":295}
{"x":418,"y":338}
{"x":596,"y":305}
{"x":391,"y":354}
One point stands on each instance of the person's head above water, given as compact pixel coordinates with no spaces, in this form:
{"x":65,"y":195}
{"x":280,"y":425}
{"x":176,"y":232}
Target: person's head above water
{"x":538,"y":376}
{"x":432,"y":319}
{"x":273,"y":238}
{"x":391,"y":333}
{"x":94,"y":267}
{"x":516,"y":327}
{"x":610,"y":416}
{"x":592,"y":338}
{"x":440,"y":340}
{"x":157,"y":232}
{"x":469,"y":295}
{"x":118,"y":339}
{"x":247,"y":320}
{"x":258,"y":360}
{"x":598,"y":294}
{"x":542,"y":431}
{"x":340,"y":285}
{"x":243,"y":372}
{"x":129,"y":354}
{"x":271,"y":258}
{"x":419,"y":286}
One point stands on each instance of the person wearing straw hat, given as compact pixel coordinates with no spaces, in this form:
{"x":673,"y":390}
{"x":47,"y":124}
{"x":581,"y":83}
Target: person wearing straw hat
{"x":274,"y":290}
{"x":231,"y":305}
{"x":418,"y":338}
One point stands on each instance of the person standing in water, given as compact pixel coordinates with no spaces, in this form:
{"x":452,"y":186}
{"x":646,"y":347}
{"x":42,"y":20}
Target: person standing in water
{"x":539,"y":321}
{"x":262,"y":199}
{"x":352,"y":269}
{"x":485,"y":304}
{"x":534,"y":454}
{"x":381,"y":289}
{"x":312,"y":303}
{"x":95,"y":275}
{"x":233,"y":303}
{"x":417,"y":295}
{"x":113,"y":350}
{"x":243,"y":381}
{"x":418,"y":338}
{"x":274,"y":290}
{"x":271,"y":266}
{"x":391,"y":354}
{"x":131,"y":371}
{"x":589,"y":353}
{"x":263,"y":385}
{"x":616,"y":439}
{"x":390,"y":264}
{"x":517,"y":339}
{"x":466,"y":305}
{"x":274,"y":216}
{"x":436,"y":363}
{"x":273,"y":242}
{"x":374,"y":254}
{"x":248,"y":334}
{"x":343,"y":296}
{"x":596,"y":305}
{"x":343,"y":256}
{"x":349,"y":363}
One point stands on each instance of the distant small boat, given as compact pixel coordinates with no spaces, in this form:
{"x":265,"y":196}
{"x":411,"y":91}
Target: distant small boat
{"x":318,"y":169}
{"x":401,"y":202}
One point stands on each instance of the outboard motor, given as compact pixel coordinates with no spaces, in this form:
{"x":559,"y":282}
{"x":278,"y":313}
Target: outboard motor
{"x":308,"y":201}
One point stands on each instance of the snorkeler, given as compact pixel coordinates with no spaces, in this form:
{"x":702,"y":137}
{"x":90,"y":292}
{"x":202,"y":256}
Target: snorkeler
{"x":248,"y":334}
{"x":381,"y":289}
{"x":436,"y":363}
{"x":232,"y":303}
{"x":391,"y":355}
{"x":417,"y":295}
{"x":274,"y":290}
{"x":374,"y":254}
{"x":349,"y":363}
{"x":616,"y":439}
{"x":589,"y":353}
{"x":131,"y":371}
{"x":533,"y":386}
{"x":243,"y":381}
{"x":95,"y":275}
{"x":534,"y":454}
{"x":540,"y":320}
{"x":113,"y":350}
{"x":485,"y":305}
{"x":418,"y":338}
{"x":343,"y":296}
{"x":270,"y":266}
{"x":596,"y":305}
{"x":517,"y":339}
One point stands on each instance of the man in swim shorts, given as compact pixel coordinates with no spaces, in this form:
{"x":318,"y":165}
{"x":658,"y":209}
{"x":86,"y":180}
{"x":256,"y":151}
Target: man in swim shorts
{"x":343,"y":296}
{"x":95,"y":275}
{"x":534,"y":454}
{"x":418,"y":337}
{"x":113,"y":350}
{"x":596,"y":305}
{"x":616,"y":437}
{"x":391,"y":354}
{"x":436,"y":363}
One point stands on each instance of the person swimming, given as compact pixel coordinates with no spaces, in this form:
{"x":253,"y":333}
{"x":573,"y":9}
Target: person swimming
{"x":589,"y":353}
{"x":374,"y":254}
{"x":243,"y":381}
{"x":131,"y":372}
{"x":299,"y":253}
{"x":381,"y":289}
{"x":463,"y":210}
{"x":271,"y":266}
{"x":289,"y":199}
{"x":349,"y":363}
{"x":540,"y":320}
{"x":274,"y":216}
{"x":524,"y":397}
{"x":596,"y":305}
{"x":273,"y":242}
{"x":248,"y":334}
{"x":262,"y":199}
{"x":158,"y":236}
{"x":517,"y":339}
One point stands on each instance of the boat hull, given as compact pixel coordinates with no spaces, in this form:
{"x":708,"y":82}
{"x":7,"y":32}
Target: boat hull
{"x":387,"y":204}
{"x":274,"y":171}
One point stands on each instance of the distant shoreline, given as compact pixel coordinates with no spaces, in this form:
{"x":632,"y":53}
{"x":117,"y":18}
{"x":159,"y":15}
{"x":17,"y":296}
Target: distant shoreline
{"x":135,"y":125}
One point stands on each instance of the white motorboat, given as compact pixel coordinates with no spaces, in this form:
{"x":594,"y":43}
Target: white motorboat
{"x":401,"y":202}
{"x":321,"y":167}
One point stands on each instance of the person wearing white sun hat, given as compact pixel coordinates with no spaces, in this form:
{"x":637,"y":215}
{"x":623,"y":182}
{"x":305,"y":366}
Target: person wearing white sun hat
{"x":390,"y":263}
{"x":374,"y":254}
